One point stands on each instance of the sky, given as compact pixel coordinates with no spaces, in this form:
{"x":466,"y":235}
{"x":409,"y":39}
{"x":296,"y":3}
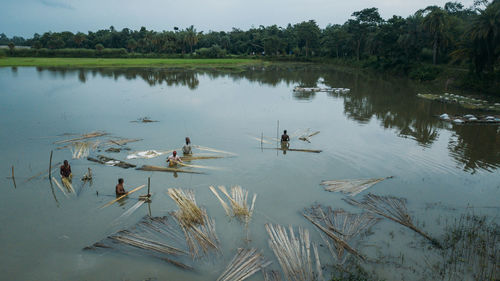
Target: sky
{"x":26,"y":17}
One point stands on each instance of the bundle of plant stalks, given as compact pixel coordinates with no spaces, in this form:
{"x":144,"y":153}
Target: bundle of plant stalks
{"x":306,"y":136}
{"x":82,"y":137}
{"x":238,"y":202}
{"x":123,"y":141}
{"x":213,"y":150}
{"x":202,"y":238}
{"x":351,"y":186}
{"x":80,"y":149}
{"x":340,"y":227}
{"x":189,"y":213}
{"x":392,"y":208}
{"x":294,"y":253}
{"x":152,"y":235}
{"x":271,"y":275}
{"x":243,"y":265}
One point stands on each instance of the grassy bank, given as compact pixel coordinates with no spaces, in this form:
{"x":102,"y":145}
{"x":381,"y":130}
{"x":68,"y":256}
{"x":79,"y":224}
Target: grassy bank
{"x":127,"y":62}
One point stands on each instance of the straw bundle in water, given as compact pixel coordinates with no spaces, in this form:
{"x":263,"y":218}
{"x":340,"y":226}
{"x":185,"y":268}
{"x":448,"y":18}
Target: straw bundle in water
{"x":153,"y":235}
{"x":80,"y":149}
{"x":351,"y":187}
{"x":82,"y":137}
{"x":294,"y":253}
{"x":243,"y":265}
{"x":271,"y":275}
{"x":392,"y":208}
{"x":238,"y":201}
{"x":202,"y":238}
{"x":340,"y":227}
{"x":189,"y":213}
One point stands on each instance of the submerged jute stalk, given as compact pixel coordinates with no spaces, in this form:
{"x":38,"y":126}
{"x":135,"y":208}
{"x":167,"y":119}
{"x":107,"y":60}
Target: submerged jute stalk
{"x":392,"y":208}
{"x":238,"y":202}
{"x":294,"y":253}
{"x":189,"y":213}
{"x":351,"y":187}
{"x":201,"y":238}
{"x":244,"y":264}
{"x":340,"y":227}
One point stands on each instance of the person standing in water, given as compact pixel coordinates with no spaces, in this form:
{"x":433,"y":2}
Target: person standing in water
{"x":65,"y":171}
{"x":186,"y":149}
{"x":119,"y":188}
{"x":173,"y":159}
{"x":285,"y":137}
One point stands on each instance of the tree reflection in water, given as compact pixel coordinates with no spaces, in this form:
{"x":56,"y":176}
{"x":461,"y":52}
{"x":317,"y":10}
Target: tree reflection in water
{"x":388,"y":100}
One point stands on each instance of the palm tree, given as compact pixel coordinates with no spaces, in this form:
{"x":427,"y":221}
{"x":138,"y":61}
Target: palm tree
{"x":435,"y":23}
{"x":485,"y":36}
{"x":191,"y":37}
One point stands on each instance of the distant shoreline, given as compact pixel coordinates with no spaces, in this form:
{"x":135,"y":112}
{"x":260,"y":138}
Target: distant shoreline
{"x":127,"y":62}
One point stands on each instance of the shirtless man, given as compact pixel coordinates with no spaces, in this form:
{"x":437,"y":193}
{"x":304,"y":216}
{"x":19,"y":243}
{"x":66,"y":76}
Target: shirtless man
{"x":119,"y":188}
{"x":173,"y":159}
{"x":285,"y":142}
{"x":65,"y":171}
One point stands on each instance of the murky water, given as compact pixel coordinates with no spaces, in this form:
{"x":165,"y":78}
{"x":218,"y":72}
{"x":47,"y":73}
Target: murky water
{"x":379,"y":129}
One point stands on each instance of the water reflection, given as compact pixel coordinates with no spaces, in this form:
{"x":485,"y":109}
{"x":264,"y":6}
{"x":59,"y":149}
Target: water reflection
{"x":390,"y":101}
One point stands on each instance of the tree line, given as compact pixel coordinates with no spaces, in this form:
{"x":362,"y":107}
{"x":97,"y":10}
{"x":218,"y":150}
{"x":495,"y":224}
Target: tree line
{"x":452,"y":34}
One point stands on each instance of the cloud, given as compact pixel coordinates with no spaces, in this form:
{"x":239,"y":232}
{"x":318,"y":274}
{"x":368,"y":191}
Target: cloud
{"x":56,"y":4}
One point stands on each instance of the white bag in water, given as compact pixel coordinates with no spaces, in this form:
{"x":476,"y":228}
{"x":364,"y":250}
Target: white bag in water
{"x":444,"y":116}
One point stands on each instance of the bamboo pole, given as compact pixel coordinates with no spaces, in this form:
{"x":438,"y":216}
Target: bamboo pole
{"x":60,"y":187}
{"x":50,"y":165}
{"x":149,"y":185}
{"x":13,"y":178}
{"x":126,"y":194}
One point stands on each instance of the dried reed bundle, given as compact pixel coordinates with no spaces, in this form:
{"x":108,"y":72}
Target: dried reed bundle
{"x":293,"y":252}
{"x":80,"y":149}
{"x":68,"y":185}
{"x":84,"y":136}
{"x":213,"y":150}
{"x":351,"y":187}
{"x":200,"y":157}
{"x":154,"y":235}
{"x":60,"y":187}
{"x":201,"y":238}
{"x":271,"y":275}
{"x":189,"y":213}
{"x":166,"y":169}
{"x":340,"y":227}
{"x":308,"y":135}
{"x":243,"y":265}
{"x":238,"y":201}
{"x":123,"y":141}
{"x":392,"y":208}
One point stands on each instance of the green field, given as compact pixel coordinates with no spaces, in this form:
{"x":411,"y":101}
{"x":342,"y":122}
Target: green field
{"x":127,"y":62}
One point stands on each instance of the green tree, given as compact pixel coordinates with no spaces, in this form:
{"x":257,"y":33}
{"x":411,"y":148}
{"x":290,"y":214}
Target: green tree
{"x":364,"y":23}
{"x":485,"y":37}
{"x":11,"y":46}
{"x":436,"y":23}
{"x":99,"y":47}
{"x":131,"y":44}
{"x":191,"y":37}
{"x":307,"y":33}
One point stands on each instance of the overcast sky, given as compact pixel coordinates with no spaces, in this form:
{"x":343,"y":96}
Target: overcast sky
{"x":26,"y":17}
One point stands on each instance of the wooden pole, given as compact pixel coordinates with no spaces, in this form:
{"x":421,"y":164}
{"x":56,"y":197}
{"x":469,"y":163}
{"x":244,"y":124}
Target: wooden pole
{"x":277,"y":136}
{"x":13,"y":179}
{"x":149,"y":185}
{"x":50,"y":165}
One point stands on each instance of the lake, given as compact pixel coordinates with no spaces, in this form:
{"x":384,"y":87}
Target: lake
{"x":379,"y":129}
